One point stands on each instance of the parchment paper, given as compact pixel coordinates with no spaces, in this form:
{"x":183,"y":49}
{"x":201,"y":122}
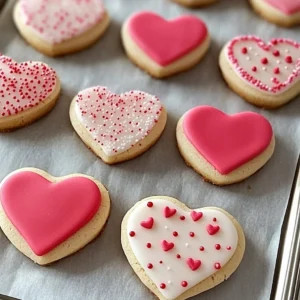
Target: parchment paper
{"x":100,"y":270}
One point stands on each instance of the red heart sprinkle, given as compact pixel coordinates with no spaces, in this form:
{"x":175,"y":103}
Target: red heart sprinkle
{"x":193,"y":264}
{"x":169,"y":212}
{"x":166,"y":245}
{"x":196,"y":215}
{"x":211,"y":229}
{"x":148,"y":223}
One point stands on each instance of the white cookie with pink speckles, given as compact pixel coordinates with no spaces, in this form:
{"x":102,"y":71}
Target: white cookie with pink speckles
{"x":264,"y":74}
{"x":117,"y":127}
{"x":178,"y":252}
{"x":57,"y":27}
{"x":28,"y":91}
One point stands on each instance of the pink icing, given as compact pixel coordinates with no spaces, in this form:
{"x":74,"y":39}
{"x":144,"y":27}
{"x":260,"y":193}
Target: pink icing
{"x":227,"y":142}
{"x":166,"y":41}
{"x":288,"y":7}
{"x":46,"y":214}
{"x":23,"y":85}
{"x":58,"y":20}
{"x":271,"y":68}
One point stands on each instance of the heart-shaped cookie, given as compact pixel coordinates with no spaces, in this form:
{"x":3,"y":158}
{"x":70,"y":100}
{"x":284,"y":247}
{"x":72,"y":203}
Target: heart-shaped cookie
{"x":117,"y":127}
{"x":181,"y":256}
{"x":28,"y":91}
{"x":281,"y":12}
{"x":224,"y":148}
{"x":57,"y":27}
{"x":163,"y":47}
{"x":48,"y":218}
{"x":266,"y":75}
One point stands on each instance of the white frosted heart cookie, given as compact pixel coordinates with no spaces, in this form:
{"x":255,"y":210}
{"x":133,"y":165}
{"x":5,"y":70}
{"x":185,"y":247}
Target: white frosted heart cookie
{"x":164,"y":47}
{"x":48,"y":218}
{"x":29,"y":90}
{"x":58,"y":27}
{"x":223,"y":148}
{"x":281,"y":12}
{"x":117,"y":127}
{"x":264,"y":74}
{"x":178,"y":252}
{"x":194,"y":3}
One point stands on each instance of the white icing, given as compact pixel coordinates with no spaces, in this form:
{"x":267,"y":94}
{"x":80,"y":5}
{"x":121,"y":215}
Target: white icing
{"x":59,"y":20}
{"x":180,"y":271}
{"x":117,"y":122}
{"x":264,"y":73}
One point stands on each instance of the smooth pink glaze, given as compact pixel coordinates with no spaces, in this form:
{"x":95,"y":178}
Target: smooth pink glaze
{"x":288,"y":7}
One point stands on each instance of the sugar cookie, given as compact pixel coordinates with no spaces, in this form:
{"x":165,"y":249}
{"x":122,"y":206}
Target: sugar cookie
{"x":194,"y":3}
{"x":47,"y":218}
{"x":224,"y":149}
{"x":266,"y":75}
{"x":163,"y":48}
{"x":117,"y":127}
{"x":281,"y":12}
{"x":29,"y":90}
{"x":177,"y":252}
{"x":58,"y":27}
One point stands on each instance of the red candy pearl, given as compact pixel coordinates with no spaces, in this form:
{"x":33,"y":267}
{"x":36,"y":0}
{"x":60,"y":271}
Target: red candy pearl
{"x":148,"y":245}
{"x":150,"y":204}
{"x":175,"y":233}
{"x":132,"y":233}
{"x":218,"y":246}
{"x":215,"y":219}
{"x":289,"y":59}
{"x":161,"y":262}
{"x":228,"y":248}
{"x":276,"y":53}
{"x":244,"y":50}
{"x":149,"y":266}
{"x":184,"y":283}
{"x":178,"y":256}
{"x":254,"y":69}
{"x":217,"y":266}
{"x":182,"y":218}
{"x":264,"y":60}
{"x":276,"y":71}
{"x":192,"y":234}
{"x":162,"y":286}
{"x":201,"y":248}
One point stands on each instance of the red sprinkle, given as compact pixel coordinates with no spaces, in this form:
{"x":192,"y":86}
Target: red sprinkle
{"x":244,"y":50}
{"x":276,"y":53}
{"x":150,"y":204}
{"x":228,"y":248}
{"x":148,"y":245}
{"x":217,"y":266}
{"x":175,"y":233}
{"x":182,"y":218}
{"x":276,"y":70}
{"x":178,"y":256}
{"x":150,"y":266}
{"x":218,"y":246}
{"x":162,"y":286}
{"x":289,"y":59}
{"x":192,"y":234}
{"x":215,"y":219}
{"x":264,"y":60}
{"x":254,"y":69}
{"x":201,"y":248}
{"x":184,"y":283}
{"x":132,"y":233}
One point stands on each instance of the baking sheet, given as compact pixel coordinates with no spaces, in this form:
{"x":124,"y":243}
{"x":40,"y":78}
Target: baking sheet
{"x":100,"y":270}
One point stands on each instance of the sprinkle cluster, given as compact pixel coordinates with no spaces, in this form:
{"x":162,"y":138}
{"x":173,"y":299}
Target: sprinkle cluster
{"x":59,"y":20}
{"x":271,"y":67}
{"x":23,"y":85}
{"x":195,"y":263}
{"x":117,"y":122}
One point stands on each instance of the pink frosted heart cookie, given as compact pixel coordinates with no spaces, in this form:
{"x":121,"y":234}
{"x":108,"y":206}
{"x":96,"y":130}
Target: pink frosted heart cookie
{"x":28,"y":91}
{"x":48,"y":218}
{"x":58,"y":27}
{"x":194,"y":3}
{"x":161,"y":47}
{"x":181,"y":255}
{"x":281,"y":12}
{"x":264,"y":74}
{"x":224,"y":149}
{"x":117,"y":127}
